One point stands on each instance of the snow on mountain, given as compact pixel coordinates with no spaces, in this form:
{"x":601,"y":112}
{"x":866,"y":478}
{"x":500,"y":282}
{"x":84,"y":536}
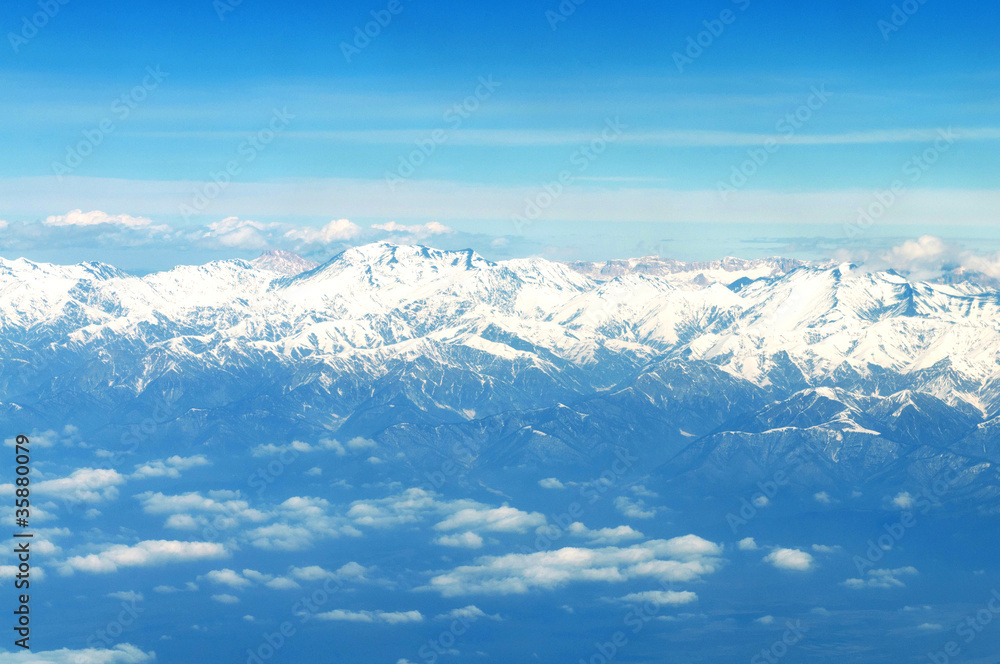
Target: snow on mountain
{"x":283,"y":262}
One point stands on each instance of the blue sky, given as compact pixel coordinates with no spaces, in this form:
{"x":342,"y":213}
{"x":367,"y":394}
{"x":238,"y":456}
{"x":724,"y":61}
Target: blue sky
{"x":538,"y":84}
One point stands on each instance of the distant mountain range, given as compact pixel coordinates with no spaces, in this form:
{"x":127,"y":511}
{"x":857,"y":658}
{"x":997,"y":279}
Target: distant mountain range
{"x":713,"y":372}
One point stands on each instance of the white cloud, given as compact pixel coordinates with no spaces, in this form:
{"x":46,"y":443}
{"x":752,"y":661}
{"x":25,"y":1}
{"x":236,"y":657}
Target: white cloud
{"x":468,"y":540}
{"x":823,"y":548}
{"x":417,"y":231}
{"x":467,"y":613}
{"x":633,"y":509}
{"x":123,"y":653}
{"x":882,"y":578}
{"x":88,"y":485}
{"x":228,"y":577}
{"x":226,"y":599}
{"x":97,"y":218}
{"x":338,"y":230}
{"x":551,"y":483}
{"x":171,"y":467}
{"x":903,"y":501}
{"x":11,"y":571}
{"x":143,"y":554}
{"x":680,"y":559}
{"x":127,"y":596}
{"x":499,"y":520}
{"x":822,"y":497}
{"x":605,"y":535}
{"x":69,"y":437}
{"x":392,"y":618}
{"x":189,"y":587}
{"x":302,"y":520}
{"x":641,"y":490}
{"x":239,"y":234}
{"x":220,"y":510}
{"x":791,"y":559}
{"x":662,"y":597}
{"x":445,"y":201}
{"x":765,"y":620}
{"x":297,"y":447}
{"x":747,"y":544}
{"x":351,"y":571}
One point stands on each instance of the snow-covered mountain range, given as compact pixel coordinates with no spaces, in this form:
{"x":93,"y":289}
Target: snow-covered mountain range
{"x":527,"y":361}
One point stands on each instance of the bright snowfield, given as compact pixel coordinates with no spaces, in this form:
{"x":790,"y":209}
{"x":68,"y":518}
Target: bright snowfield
{"x":407,"y":455}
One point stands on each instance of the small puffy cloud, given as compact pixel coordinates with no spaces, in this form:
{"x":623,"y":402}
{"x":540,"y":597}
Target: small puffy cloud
{"x":297,"y":447}
{"x":747,"y":544}
{"x":634,"y":509}
{"x":127,"y":596}
{"x":500,"y":520}
{"x":417,"y":231}
{"x":228,"y":577}
{"x":467,"y":614}
{"x":98,"y":218}
{"x":144,"y":554}
{"x":226,"y":599}
{"x":123,"y":653}
{"x":338,"y":230}
{"x":11,"y":571}
{"x":387,"y":617}
{"x":822,"y":497}
{"x":790,"y":559}
{"x":238,"y":233}
{"x":467,"y":540}
{"x":882,"y":578}
{"x":765,"y":620}
{"x":930,"y":627}
{"x":662,"y":597}
{"x":87,"y":485}
{"x":315,"y":471}
{"x":551,"y":483}
{"x":221,"y":510}
{"x":681,"y":559}
{"x":189,"y":587}
{"x":605,"y":535}
{"x":823,"y":548}
{"x":641,"y":490}
{"x":903,"y":500}
{"x":171,"y":467}
{"x":351,"y":571}
{"x":69,"y":436}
